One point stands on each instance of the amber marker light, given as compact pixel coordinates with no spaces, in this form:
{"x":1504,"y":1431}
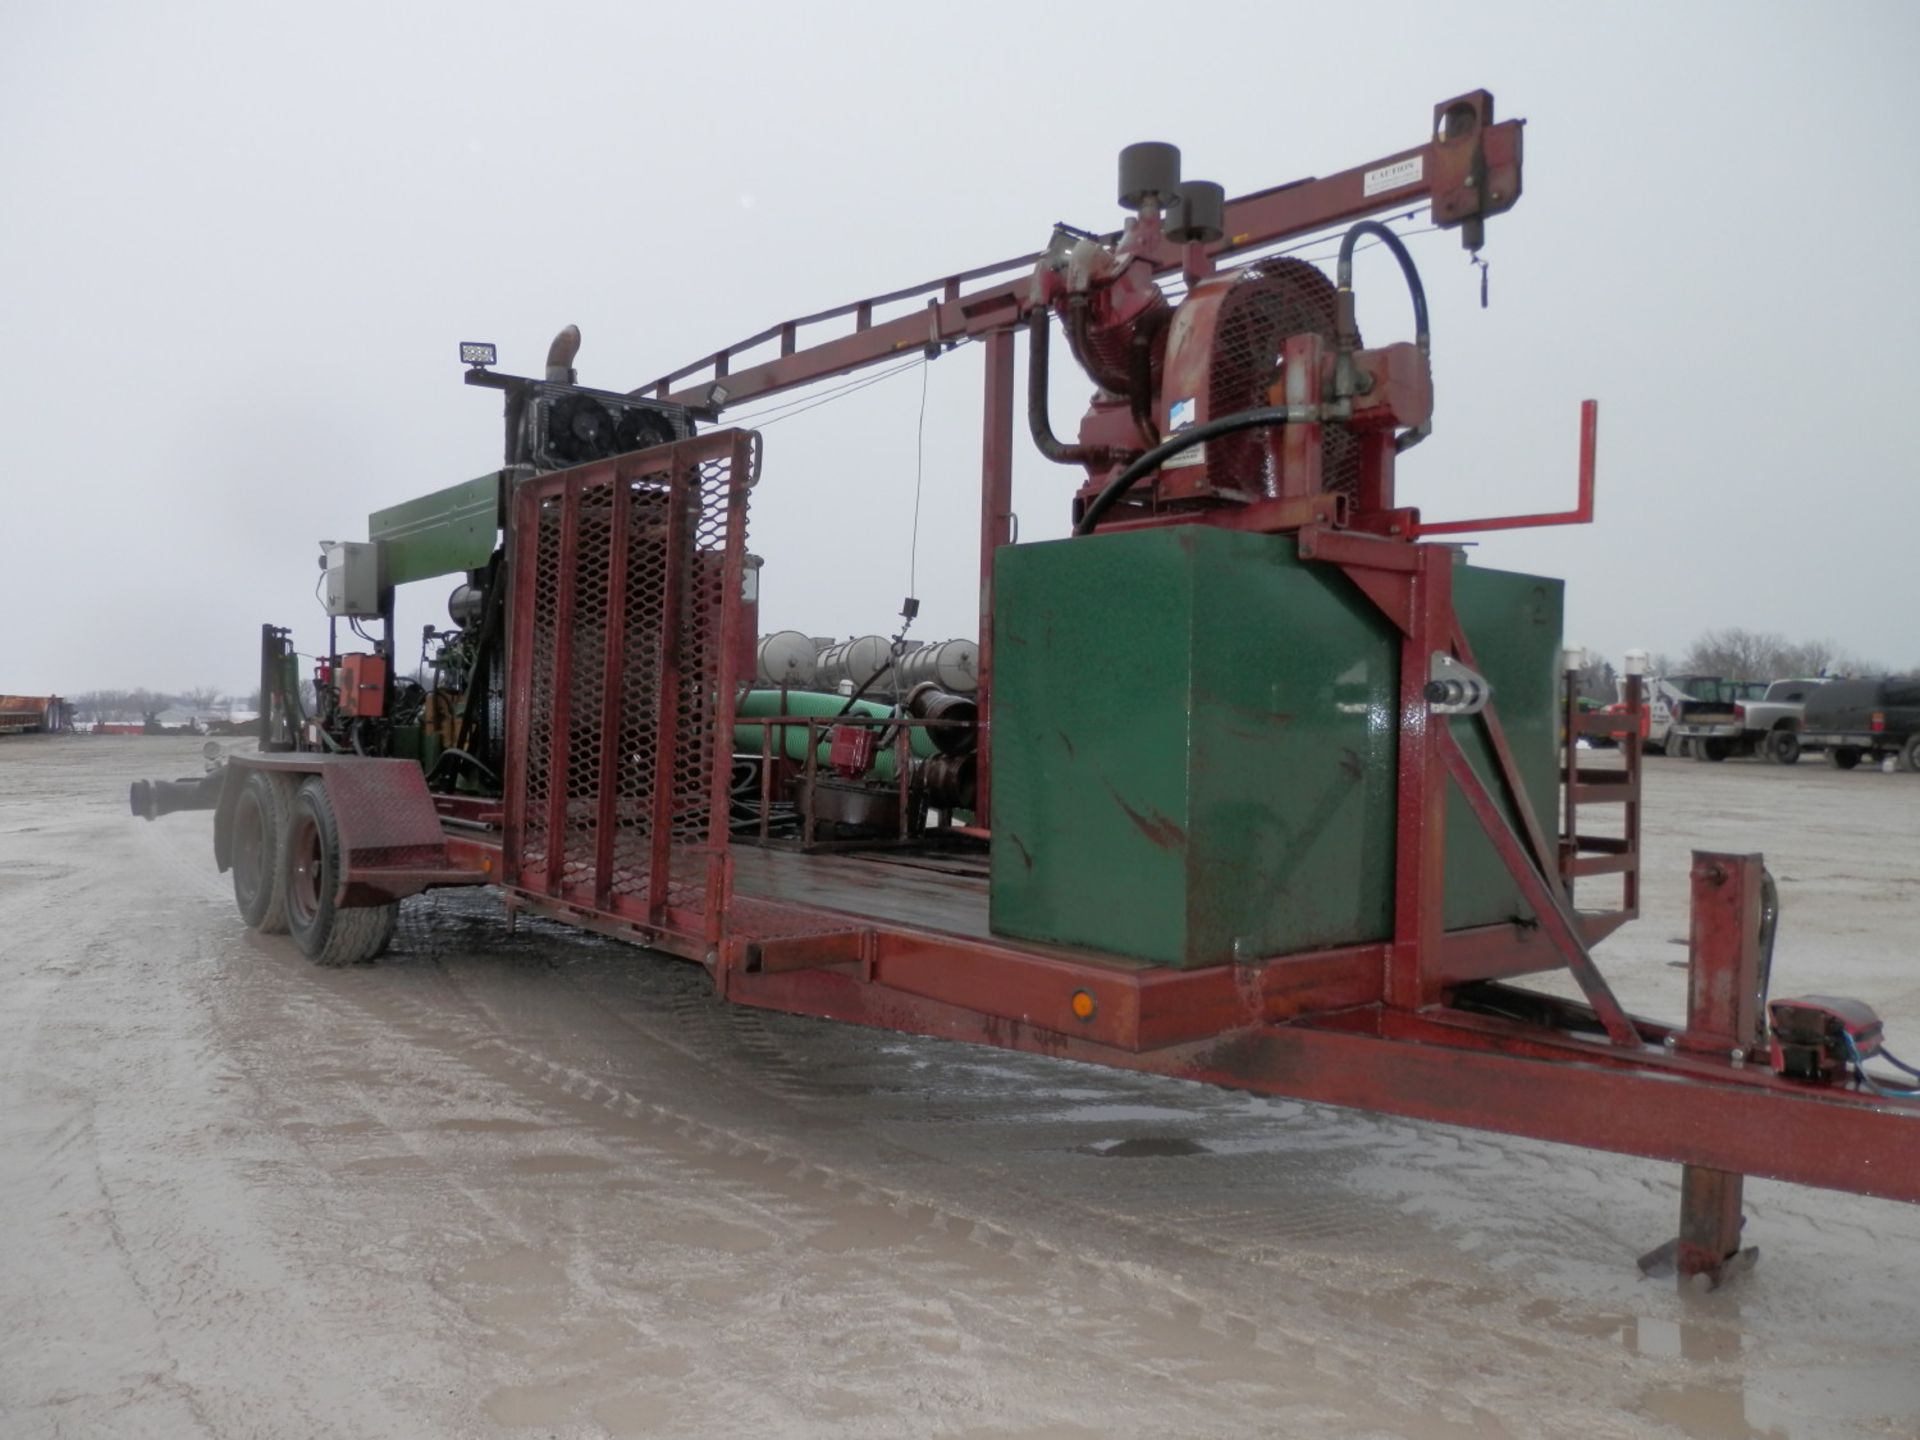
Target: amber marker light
{"x":1082,"y":1003}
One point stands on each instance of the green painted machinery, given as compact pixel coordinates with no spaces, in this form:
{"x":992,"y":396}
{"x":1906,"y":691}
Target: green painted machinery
{"x":1194,"y":745}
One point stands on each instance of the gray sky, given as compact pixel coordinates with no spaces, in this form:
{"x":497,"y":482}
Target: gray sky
{"x":238,"y":244}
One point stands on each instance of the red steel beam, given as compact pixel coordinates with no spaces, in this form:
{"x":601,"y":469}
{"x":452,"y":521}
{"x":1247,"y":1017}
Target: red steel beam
{"x":522,"y":549}
{"x":1582,"y":512}
{"x":666,"y":693}
{"x":613,"y":666}
{"x":1548,"y":907}
{"x":559,"y":744}
{"x":1444,"y":171}
{"x":996,"y":529}
{"x":1836,"y":1140}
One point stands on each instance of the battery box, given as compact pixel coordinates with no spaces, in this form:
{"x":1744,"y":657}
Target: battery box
{"x":363,"y":686}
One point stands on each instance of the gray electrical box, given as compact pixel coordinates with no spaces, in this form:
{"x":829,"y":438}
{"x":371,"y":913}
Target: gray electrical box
{"x":353,"y":578}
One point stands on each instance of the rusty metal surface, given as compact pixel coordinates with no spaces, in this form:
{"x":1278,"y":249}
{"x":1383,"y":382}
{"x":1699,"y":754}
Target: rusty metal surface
{"x":1753,"y":1124}
{"x":391,"y":838}
{"x":626,"y":617}
{"x":1467,"y":177}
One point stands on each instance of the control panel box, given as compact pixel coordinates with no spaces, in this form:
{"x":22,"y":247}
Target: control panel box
{"x":352,"y":586}
{"x":363,"y":686}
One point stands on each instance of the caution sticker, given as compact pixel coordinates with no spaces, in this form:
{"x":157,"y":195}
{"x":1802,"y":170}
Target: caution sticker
{"x":1394,"y":176}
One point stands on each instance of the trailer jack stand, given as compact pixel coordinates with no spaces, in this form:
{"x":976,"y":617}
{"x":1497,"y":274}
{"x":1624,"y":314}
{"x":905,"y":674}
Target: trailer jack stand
{"x":1708,"y":1245}
{"x":1726,"y":984}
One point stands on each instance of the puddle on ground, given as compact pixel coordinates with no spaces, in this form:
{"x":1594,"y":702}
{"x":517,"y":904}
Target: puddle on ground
{"x":706,"y":1234}
{"x":557,"y":1163}
{"x":1707,"y":1412}
{"x":489,"y":1126}
{"x":638,"y":1413}
{"x":1800,"y":1403}
{"x":528,"y":1405}
{"x":1121,"y":1114}
{"x":1144,"y":1146}
{"x":1678,"y":1340}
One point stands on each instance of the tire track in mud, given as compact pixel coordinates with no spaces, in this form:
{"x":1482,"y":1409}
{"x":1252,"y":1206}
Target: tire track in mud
{"x":740,"y":1155}
{"x":735,"y":1044}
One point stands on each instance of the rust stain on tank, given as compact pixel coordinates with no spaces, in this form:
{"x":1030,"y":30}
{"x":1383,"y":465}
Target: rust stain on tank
{"x":1158,"y":828}
{"x":1026,"y":857}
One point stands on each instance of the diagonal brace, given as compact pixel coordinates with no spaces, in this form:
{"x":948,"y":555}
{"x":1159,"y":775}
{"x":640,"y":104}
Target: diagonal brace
{"x":1546,"y":902}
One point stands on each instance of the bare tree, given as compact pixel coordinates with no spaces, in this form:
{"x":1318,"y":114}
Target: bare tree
{"x":1597,"y":680}
{"x":1734,"y":653}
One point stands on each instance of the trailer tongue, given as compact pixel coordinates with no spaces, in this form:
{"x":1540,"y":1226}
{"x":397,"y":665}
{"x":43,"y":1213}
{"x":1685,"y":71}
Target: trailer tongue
{"x":1258,"y":786}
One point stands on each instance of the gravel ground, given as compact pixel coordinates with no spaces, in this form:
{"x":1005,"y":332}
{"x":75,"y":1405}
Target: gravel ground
{"x":542,"y":1185}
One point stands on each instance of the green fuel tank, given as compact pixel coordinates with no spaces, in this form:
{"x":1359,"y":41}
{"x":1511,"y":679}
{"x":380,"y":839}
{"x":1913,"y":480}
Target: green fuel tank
{"x":1194,"y":745}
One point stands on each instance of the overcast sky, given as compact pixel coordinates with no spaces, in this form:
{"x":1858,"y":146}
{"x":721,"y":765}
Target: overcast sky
{"x":239,"y":243}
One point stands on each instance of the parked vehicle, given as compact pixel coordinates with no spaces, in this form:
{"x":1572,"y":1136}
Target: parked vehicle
{"x":1865,"y":719}
{"x":1769,"y":726}
{"x":1669,"y":698}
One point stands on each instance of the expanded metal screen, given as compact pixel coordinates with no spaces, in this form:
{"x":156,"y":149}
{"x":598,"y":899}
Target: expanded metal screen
{"x":625,"y":623}
{"x":1268,"y":302}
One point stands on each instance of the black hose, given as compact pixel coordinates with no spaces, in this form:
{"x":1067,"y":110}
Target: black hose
{"x":1348,"y":329}
{"x":867,"y":684}
{"x":1422,"y":335}
{"x":1038,"y":425}
{"x":1151,"y":461}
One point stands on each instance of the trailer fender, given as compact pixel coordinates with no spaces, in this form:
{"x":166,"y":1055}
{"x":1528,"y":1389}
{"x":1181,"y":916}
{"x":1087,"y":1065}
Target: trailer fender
{"x":391,"y":843}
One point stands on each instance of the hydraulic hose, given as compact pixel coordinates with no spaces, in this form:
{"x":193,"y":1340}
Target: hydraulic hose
{"x":1422,"y":335}
{"x":867,"y":684}
{"x":1348,"y":329}
{"x":1153,"y":459}
{"x":1041,"y":428}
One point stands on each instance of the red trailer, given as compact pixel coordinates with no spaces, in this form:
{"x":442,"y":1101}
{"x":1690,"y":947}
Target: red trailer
{"x":622,"y":619}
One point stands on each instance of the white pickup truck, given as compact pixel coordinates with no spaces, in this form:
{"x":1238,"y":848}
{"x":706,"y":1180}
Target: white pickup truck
{"x":1726,"y":725}
{"x":1670,"y":697}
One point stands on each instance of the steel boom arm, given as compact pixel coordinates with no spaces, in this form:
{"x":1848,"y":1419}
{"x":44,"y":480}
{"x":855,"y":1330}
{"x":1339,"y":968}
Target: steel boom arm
{"x":1467,"y":170}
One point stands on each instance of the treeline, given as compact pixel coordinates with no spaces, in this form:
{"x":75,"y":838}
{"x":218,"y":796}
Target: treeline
{"x":1737,"y":654}
{"x":1734,"y":653}
{"x":134,"y":706}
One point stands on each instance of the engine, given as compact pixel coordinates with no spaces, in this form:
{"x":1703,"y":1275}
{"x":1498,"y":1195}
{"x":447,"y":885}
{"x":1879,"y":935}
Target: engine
{"x":1253,"y":388}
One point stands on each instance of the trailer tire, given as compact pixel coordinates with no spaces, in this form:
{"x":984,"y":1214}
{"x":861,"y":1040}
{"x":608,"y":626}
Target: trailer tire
{"x":1708,"y":748}
{"x":1782,"y":747}
{"x":1843,"y":757}
{"x":260,"y":815}
{"x":327,"y":933}
{"x":1910,"y":754}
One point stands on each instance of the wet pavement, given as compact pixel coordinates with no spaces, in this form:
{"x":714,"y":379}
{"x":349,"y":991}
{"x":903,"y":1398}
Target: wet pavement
{"x":543,"y":1185}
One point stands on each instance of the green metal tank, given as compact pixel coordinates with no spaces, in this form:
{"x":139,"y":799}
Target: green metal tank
{"x":1194,"y":744}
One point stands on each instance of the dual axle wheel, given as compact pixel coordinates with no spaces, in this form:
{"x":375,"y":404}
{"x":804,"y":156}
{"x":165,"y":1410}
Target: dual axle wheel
{"x":286,"y":872}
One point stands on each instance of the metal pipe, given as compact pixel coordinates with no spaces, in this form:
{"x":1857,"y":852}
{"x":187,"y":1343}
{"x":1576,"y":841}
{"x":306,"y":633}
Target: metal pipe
{"x":560,"y":356}
{"x":1038,"y":424}
{"x":150,"y":799}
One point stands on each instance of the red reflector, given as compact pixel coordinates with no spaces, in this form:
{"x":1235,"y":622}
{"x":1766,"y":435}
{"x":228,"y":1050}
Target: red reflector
{"x":1879,"y":721}
{"x":1739,"y":712}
